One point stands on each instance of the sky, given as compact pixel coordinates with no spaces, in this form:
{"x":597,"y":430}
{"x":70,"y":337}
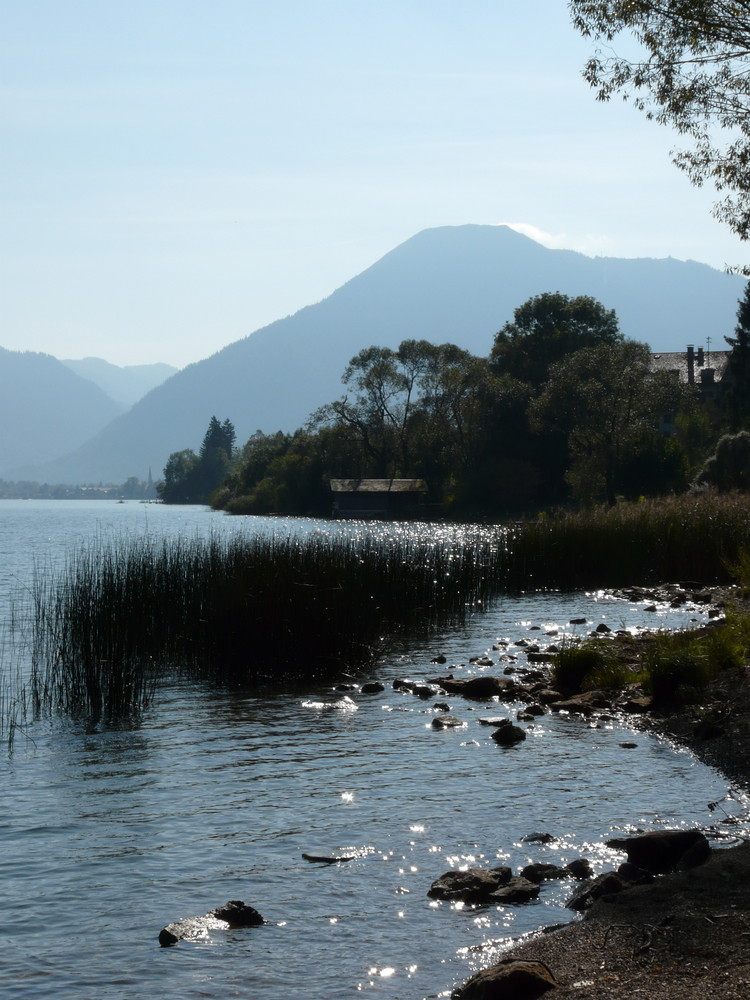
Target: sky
{"x":176,"y":174}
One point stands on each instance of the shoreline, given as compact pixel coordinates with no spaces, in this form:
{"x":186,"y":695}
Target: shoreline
{"x":688,"y":933}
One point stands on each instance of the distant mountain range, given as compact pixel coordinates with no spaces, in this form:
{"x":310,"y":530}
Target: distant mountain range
{"x":458,"y":284}
{"x":45,"y":408}
{"x":126,"y":384}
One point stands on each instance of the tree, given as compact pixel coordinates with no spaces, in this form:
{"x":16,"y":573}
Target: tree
{"x":389,"y":392}
{"x":605,"y":399}
{"x":691,"y":73}
{"x":545,"y":329}
{"x":729,"y":466}
{"x":191,"y":478}
{"x":179,"y":473}
{"x":737,"y":375}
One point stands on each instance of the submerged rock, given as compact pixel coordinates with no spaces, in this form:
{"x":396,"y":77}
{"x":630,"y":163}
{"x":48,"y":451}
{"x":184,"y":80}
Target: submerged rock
{"x":537,"y":838}
{"x":327,"y":859}
{"x":235,"y":913}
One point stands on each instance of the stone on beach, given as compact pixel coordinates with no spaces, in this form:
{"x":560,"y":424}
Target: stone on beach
{"x":664,"y":850}
{"x":510,"y":979}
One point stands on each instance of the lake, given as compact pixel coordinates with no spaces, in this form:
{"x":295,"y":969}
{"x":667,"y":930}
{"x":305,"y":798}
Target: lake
{"x":109,"y":833}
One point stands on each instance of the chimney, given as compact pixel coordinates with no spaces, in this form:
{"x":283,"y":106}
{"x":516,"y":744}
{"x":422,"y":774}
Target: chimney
{"x":699,"y":358}
{"x":691,"y":365}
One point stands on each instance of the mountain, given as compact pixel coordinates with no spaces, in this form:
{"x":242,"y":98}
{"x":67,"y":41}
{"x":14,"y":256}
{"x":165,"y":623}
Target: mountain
{"x":46,"y":409}
{"x":126,"y":384}
{"x":456,"y":284}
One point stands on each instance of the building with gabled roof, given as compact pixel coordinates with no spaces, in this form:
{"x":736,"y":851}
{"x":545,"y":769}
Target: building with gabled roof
{"x":378,"y":498}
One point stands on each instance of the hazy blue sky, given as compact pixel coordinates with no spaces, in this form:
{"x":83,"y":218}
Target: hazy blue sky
{"x":177,"y":173}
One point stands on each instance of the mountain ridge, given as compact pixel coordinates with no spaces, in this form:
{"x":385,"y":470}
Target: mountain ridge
{"x":458,"y":284}
{"x":126,"y":384}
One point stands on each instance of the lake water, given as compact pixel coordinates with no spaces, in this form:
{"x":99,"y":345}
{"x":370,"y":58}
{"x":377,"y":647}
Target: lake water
{"x":108,"y":834}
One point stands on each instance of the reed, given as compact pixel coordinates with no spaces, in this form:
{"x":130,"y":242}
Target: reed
{"x":243,"y":610}
{"x":691,"y":537}
{"x":248,"y":610}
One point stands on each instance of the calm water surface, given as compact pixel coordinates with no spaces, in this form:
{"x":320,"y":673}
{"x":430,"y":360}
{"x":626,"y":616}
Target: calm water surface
{"x":106,"y":835}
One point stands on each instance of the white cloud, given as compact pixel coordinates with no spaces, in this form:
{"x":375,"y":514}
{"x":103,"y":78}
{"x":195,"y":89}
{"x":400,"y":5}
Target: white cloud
{"x":592,"y":244}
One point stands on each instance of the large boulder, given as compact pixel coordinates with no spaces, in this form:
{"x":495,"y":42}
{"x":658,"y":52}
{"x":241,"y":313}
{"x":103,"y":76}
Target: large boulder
{"x":235,"y":913}
{"x":511,"y":979}
{"x":664,"y":850}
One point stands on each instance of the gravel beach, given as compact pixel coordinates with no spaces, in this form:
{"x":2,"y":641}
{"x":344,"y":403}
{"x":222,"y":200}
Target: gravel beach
{"x":686,"y":935}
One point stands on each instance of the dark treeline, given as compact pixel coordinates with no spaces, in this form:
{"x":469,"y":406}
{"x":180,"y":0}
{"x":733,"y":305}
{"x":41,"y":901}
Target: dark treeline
{"x":564,"y":410}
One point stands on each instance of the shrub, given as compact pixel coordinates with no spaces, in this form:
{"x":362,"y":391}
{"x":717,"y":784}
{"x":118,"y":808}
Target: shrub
{"x":585,"y":667}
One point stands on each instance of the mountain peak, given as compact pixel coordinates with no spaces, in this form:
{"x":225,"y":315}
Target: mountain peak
{"x":451,"y":283}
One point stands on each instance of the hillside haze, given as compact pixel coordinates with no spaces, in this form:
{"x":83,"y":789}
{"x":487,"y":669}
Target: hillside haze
{"x":458,"y":284}
{"x":125,"y":384}
{"x":46,"y":409}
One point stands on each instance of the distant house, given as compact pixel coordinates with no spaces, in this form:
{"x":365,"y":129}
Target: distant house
{"x":701,"y":368}
{"x":378,"y":498}
{"x":705,"y":369}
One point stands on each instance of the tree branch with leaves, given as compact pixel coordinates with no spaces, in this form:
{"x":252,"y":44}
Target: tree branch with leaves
{"x":691,"y":71}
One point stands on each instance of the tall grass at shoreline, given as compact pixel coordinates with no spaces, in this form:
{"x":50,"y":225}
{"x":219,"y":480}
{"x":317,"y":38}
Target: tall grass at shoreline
{"x":702,"y":538}
{"x":241,"y":611}
{"x":249,"y":610}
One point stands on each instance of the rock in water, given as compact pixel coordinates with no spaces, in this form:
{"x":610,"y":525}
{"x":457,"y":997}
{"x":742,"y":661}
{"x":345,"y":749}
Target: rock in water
{"x":326,"y":859}
{"x":235,"y":913}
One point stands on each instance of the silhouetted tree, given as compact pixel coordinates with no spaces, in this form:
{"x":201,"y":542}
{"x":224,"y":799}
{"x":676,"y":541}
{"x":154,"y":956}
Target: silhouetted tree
{"x":737,"y":375}
{"x":605,"y":398}
{"x":545,"y":329}
{"x":191,"y":478}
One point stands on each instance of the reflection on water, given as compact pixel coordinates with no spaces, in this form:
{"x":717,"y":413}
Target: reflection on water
{"x":107,"y":836}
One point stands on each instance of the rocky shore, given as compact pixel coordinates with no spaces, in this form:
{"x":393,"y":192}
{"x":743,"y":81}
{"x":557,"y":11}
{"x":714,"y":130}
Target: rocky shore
{"x":684,"y":935}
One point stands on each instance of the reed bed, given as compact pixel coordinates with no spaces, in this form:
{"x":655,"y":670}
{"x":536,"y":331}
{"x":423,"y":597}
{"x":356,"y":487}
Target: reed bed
{"x":703,"y":538}
{"x":248,"y":610}
{"x":243,"y":610}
